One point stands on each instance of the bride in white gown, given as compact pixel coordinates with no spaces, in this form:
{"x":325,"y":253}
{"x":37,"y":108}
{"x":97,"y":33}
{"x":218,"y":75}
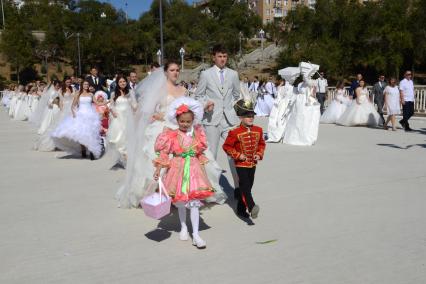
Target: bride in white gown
{"x":123,"y":103}
{"x":361,"y":111}
{"x":338,"y":106}
{"x":81,"y":130}
{"x":50,"y":114}
{"x":45,"y":142}
{"x":156,"y":92}
{"x":303,"y":123}
{"x":283,"y":104}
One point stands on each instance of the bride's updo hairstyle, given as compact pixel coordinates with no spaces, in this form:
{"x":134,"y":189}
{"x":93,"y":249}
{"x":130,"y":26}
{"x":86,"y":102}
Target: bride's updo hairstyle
{"x":169,"y":63}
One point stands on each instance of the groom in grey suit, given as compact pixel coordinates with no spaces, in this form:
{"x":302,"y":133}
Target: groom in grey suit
{"x":218,"y":89}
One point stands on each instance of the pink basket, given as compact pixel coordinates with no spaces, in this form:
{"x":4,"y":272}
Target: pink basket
{"x":157,"y":205}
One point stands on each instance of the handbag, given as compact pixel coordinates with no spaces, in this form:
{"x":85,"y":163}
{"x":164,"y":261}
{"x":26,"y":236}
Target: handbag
{"x":157,"y":205}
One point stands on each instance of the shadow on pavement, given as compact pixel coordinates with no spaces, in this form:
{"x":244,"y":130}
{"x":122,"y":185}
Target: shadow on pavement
{"x":402,"y":148}
{"x":170,"y":223}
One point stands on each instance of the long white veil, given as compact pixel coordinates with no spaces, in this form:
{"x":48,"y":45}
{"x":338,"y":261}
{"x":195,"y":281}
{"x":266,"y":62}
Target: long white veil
{"x":152,"y":90}
{"x":37,"y":116}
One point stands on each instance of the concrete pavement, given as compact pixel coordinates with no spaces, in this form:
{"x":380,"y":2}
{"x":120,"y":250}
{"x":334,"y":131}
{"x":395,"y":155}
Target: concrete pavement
{"x":350,"y":209}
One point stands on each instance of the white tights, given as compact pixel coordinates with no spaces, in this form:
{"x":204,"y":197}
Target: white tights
{"x":195,"y":219}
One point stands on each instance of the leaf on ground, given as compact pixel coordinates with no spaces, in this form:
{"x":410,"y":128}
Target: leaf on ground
{"x":266,"y":242}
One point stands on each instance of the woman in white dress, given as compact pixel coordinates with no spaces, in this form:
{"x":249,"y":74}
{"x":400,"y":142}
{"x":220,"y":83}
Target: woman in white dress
{"x":65,"y":94}
{"x":80,"y":131}
{"x":51,"y":113}
{"x":361,"y":111}
{"x":337,"y":107}
{"x":21,"y":111}
{"x":392,"y":103}
{"x":122,"y":106}
{"x":157,"y":92}
{"x":282,"y":107}
{"x":264,"y":101}
{"x":303,"y":123}
{"x":13,"y":101}
{"x":7,"y":96}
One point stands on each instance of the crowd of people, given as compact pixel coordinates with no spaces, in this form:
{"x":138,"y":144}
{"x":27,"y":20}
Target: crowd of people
{"x":156,"y":129}
{"x":160,"y":129}
{"x":349,"y":106}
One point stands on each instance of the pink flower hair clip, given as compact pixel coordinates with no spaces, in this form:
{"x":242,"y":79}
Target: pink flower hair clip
{"x":182,"y":109}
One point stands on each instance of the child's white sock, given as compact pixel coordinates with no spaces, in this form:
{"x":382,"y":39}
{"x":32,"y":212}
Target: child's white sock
{"x":195,"y":220}
{"x":182,"y":218}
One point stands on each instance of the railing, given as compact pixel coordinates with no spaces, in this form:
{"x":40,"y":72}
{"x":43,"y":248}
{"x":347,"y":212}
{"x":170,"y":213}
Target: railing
{"x":419,"y":92}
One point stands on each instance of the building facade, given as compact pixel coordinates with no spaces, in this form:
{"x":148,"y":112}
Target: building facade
{"x":269,"y":10}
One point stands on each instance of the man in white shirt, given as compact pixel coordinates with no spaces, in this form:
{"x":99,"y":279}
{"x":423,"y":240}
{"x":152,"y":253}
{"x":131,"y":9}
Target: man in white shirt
{"x":321,"y":95}
{"x":246,"y":83}
{"x":270,"y":87}
{"x":406,"y":89}
{"x":254,"y":85}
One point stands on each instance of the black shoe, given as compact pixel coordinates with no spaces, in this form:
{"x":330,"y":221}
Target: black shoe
{"x":402,"y":123}
{"x":408,"y":129}
{"x":243,"y":214}
{"x":91,"y":156}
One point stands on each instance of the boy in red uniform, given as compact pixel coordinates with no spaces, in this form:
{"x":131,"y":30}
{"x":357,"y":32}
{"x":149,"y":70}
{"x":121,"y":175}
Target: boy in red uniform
{"x":245,"y":144}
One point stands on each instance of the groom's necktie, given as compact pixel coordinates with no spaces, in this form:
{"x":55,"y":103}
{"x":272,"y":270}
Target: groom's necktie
{"x":222,"y":78}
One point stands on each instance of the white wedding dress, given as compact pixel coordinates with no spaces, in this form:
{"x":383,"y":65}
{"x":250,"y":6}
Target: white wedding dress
{"x":13,"y":102}
{"x":362,"y":113}
{"x":5,"y":100}
{"x":280,"y":113}
{"x":336,"y":108}
{"x":118,"y":127}
{"x":45,"y":142}
{"x":51,"y":115}
{"x":83,"y":129}
{"x":303,"y":123}
{"x":139,"y":169}
{"x":264,"y":102}
{"x":22,"y":107}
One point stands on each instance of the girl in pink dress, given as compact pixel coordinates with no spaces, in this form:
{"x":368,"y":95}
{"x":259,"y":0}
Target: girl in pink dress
{"x":181,"y":151}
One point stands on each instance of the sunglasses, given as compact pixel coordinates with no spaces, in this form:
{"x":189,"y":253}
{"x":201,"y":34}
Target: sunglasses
{"x":408,"y":74}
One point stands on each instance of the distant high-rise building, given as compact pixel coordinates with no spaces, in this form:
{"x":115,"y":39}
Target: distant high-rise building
{"x":268,"y":10}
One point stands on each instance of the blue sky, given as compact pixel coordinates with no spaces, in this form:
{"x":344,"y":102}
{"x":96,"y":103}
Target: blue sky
{"x":134,"y":7}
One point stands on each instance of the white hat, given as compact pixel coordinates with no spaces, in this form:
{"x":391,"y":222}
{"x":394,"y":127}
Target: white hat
{"x":101,"y":93}
{"x":181,"y":104}
{"x":289,"y":74}
{"x":308,"y":69}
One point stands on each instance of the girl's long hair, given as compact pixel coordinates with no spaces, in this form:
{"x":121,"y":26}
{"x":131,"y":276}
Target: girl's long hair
{"x":117,"y":91}
{"x":64,"y":87}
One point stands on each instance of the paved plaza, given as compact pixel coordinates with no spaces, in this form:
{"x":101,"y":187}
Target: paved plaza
{"x":350,"y":209}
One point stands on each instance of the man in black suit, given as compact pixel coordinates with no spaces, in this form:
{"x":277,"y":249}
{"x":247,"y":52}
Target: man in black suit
{"x":95,"y":81}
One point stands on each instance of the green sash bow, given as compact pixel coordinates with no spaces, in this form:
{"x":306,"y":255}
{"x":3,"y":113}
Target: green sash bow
{"x":186,"y":169}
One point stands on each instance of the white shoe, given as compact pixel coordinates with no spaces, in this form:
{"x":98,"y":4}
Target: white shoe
{"x":198,"y":242}
{"x":183,"y":235}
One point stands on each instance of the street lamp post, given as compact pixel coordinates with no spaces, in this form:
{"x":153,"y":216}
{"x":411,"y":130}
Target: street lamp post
{"x":161,"y":31}
{"x":79,"y":54}
{"x":159,"y":57}
{"x":262,"y":35}
{"x":182,"y":55}
{"x":77,"y":35}
{"x":2,"y":13}
{"x":241,"y":38}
